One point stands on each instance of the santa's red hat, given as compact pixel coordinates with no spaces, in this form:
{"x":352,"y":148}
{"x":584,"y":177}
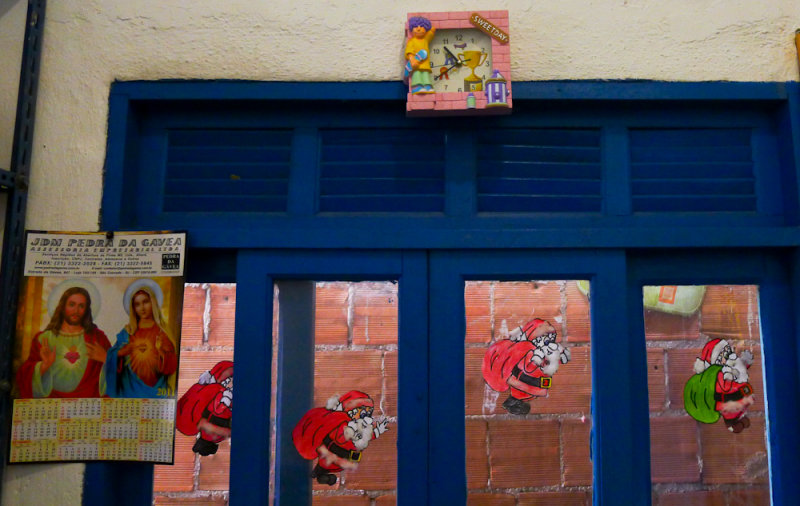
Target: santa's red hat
{"x":529,"y":327}
{"x":351,"y":400}
{"x":710,"y":354}
{"x":222,"y":371}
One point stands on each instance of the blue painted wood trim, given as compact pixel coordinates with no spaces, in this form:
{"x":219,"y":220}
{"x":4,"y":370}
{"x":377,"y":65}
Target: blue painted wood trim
{"x":118,"y":483}
{"x":119,"y":133}
{"x":303,"y":191}
{"x":777,"y":306}
{"x":460,"y":197}
{"x":618,"y":429}
{"x":778,"y":302}
{"x":295,"y":389}
{"x":523,"y":90}
{"x":621,"y":463}
{"x":250,"y":459}
{"x":414,"y":410}
{"x":516,"y":234}
{"x":616,"y":171}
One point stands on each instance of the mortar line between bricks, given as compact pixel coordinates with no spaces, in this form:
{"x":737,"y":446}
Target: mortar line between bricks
{"x":207,"y":313}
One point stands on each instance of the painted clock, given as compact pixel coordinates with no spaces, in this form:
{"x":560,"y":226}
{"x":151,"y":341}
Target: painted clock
{"x":458,"y":63}
{"x":461,"y":60}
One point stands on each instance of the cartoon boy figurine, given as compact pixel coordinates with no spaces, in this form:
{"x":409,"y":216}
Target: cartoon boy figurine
{"x":525,"y":364}
{"x":417,"y":53}
{"x":337,"y":434}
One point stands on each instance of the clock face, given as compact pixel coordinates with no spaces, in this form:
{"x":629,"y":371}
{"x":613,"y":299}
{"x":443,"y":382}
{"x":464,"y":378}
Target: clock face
{"x":461,"y":60}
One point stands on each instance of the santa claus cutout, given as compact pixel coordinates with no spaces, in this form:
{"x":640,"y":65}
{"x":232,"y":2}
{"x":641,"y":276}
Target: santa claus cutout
{"x":719,"y":387}
{"x":207,"y":408}
{"x":337,"y":434}
{"x":524,"y":364}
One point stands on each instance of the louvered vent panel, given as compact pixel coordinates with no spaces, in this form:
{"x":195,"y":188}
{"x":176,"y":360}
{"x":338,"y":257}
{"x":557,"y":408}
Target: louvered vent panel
{"x":692,"y":170}
{"x":227,"y":170}
{"x":527,"y":170}
{"x":382,"y":170}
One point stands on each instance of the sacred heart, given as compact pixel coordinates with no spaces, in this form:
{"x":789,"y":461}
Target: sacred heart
{"x":72,"y":355}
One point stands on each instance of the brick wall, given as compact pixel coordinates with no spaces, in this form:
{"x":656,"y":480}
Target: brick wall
{"x":695,"y":463}
{"x":356,"y":347}
{"x":206,"y":338}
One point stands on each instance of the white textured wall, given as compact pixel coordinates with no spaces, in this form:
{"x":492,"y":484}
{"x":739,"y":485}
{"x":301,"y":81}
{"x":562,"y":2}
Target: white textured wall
{"x":90,"y":43}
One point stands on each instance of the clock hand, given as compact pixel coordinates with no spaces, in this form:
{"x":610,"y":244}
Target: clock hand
{"x":451,"y":55}
{"x":451,"y":67}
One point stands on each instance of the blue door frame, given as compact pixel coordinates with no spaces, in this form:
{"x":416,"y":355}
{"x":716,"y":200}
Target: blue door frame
{"x":431,"y":256}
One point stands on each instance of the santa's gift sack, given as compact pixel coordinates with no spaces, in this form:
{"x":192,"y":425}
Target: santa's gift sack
{"x":698,"y":395}
{"x":680,"y":300}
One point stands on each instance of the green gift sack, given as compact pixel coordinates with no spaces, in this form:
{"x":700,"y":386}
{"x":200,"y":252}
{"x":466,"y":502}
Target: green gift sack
{"x":698,"y":395}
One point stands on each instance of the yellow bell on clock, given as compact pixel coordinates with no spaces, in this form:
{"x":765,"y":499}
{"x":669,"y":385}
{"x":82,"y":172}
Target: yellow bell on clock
{"x":461,"y":60}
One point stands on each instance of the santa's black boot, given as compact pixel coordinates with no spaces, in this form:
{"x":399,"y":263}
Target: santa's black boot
{"x":516,"y":406}
{"x":204,"y":447}
{"x":323,"y":476}
{"x":736,"y":425}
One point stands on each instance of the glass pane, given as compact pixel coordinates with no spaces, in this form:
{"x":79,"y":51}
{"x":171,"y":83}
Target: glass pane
{"x":355,"y":375}
{"x":707,"y":398}
{"x":206,"y":340}
{"x":528,"y":392}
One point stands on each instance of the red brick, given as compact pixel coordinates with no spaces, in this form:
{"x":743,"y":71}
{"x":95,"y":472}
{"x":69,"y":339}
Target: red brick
{"x":375,"y":313}
{"x":477,"y":459}
{"x":731,"y":311}
{"x":194,"y":363}
{"x":338,"y":372}
{"x":178,"y":477}
{"x":479,"y":398}
{"x":497,"y":499}
{"x":386,"y":500}
{"x":579,"y":328}
{"x":215,"y":469}
{"x":516,"y":303}
{"x":330,"y":316}
{"x":554,"y":499}
{"x":572,"y":386}
{"x":194,"y":305}
{"x":656,"y":379}
{"x":378,"y":467}
{"x":673,"y":450}
{"x":734,"y":458}
{"x":681,"y":368}
{"x":390,"y":397}
{"x":749,"y":497}
{"x":223,"y":313}
{"x":478,"y":304}
{"x":190,"y":501}
{"x":660,"y":326}
{"x":575,"y":436}
{"x":524,"y":453}
{"x":340,"y":500}
{"x":692,"y":498}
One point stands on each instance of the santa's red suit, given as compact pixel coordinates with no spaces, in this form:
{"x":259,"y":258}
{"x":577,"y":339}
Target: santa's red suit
{"x":732,"y":398}
{"x":206,"y":408}
{"x":509,"y":363}
{"x":321,"y":433}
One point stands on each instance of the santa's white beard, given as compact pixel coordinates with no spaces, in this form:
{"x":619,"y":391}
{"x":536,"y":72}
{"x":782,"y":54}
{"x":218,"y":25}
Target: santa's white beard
{"x":359,"y":432}
{"x":740,"y":367}
{"x":552,"y":360}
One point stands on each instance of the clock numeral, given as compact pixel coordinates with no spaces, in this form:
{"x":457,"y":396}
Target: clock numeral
{"x":445,"y":41}
{"x":460,"y":90}
{"x":459,"y":37}
{"x":435,"y":51}
{"x":445,"y":86}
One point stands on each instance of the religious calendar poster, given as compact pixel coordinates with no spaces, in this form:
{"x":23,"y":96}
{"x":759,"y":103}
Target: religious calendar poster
{"x":96,"y":350}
